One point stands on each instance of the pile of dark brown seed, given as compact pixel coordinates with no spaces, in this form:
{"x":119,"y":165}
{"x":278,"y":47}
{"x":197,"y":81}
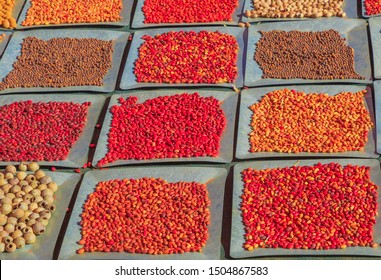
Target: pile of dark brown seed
{"x":308,"y":55}
{"x":60,"y":62}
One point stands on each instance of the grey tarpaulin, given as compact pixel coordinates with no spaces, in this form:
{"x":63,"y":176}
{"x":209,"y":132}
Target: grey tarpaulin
{"x":237,"y":238}
{"x":229,"y":104}
{"x":251,"y":96}
{"x":213,"y":177}
{"x":353,"y":30}
{"x":14,"y":50}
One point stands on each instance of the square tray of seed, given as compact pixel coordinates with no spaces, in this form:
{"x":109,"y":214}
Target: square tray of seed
{"x":9,"y":16}
{"x":53,"y":130}
{"x":375,"y":35}
{"x":325,"y":207}
{"x":260,"y":10}
{"x":167,"y":126}
{"x":33,"y":235}
{"x":68,"y":60}
{"x":377,"y":106}
{"x":370,"y":8}
{"x":329,"y":51}
{"x":42,"y":14}
{"x":4,"y":39}
{"x":307,"y":121}
{"x":158,"y":13}
{"x":176,"y":57}
{"x":158,"y":213}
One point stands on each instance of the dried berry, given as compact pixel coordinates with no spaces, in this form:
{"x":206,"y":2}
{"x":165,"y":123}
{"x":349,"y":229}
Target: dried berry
{"x":296,"y":9}
{"x":325,"y":206}
{"x":40,"y":131}
{"x":321,"y":55}
{"x":60,"y":62}
{"x":290,"y":121}
{"x":43,"y":12}
{"x":147,"y":215}
{"x":187,"y":57}
{"x":6,"y":18}
{"x":188,"y":11}
{"x":182,"y":125}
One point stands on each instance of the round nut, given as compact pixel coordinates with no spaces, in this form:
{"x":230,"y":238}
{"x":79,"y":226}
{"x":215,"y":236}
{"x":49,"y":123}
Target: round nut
{"x":23,"y":166}
{"x":10,"y":247}
{"x":11,"y":168}
{"x":39,"y":174}
{"x":21,"y":175}
{"x":45,"y":180}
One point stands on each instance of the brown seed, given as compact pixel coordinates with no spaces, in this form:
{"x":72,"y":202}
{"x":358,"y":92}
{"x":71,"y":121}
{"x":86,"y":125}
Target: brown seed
{"x":82,"y":62}
{"x":304,"y":51}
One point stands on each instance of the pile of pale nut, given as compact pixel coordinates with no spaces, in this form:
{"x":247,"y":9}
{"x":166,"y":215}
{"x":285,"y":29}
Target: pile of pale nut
{"x":296,"y":9}
{"x":27,"y":204}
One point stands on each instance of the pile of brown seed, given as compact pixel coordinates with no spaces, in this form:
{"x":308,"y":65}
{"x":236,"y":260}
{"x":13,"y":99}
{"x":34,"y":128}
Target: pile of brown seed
{"x":296,"y":9}
{"x":27,"y":204}
{"x":322,"y":55}
{"x":60,"y":62}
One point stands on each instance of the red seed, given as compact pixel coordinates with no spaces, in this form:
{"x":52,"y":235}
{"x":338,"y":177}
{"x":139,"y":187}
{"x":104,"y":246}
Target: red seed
{"x":37,"y":131}
{"x":52,"y":168}
{"x":182,"y":125}
{"x":325,"y":206}
{"x":372,"y":7}
{"x":77,"y":170}
{"x":189,"y":57}
{"x":80,"y":251}
{"x":147,"y":215}
{"x":188,"y":11}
